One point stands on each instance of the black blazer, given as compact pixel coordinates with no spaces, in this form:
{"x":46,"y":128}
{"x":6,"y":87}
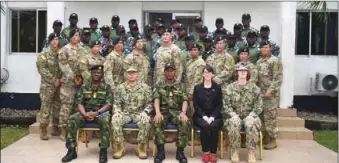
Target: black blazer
{"x":200,"y":105}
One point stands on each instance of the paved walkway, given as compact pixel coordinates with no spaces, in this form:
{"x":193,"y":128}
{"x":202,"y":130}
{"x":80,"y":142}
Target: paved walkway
{"x":31,"y":149}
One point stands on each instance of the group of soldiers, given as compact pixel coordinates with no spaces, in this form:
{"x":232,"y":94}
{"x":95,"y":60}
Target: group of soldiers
{"x":114,"y":78}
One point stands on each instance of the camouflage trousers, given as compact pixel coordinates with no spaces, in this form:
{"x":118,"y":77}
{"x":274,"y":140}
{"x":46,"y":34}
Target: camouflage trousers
{"x":269,"y":116}
{"x":183,"y":131}
{"x":142,"y":122}
{"x":251,"y":125}
{"x":67,"y":97}
{"x":76,"y":120}
{"x":50,"y":104}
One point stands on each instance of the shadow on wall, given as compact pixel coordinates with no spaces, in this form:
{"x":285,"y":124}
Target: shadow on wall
{"x":318,"y":104}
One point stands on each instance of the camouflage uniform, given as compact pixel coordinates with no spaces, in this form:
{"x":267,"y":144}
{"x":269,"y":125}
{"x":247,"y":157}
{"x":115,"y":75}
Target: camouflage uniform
{"x":242,"y":107}
{"x":86,"y":47}
{"x":205,"y":54}
{"x":180,"y":42}
{"x":171,"y":97}
{"x":92,"y":99}
{"x":241,"y":43}
{"x":168,"y":55}
{"x":62,"y":42}
{"x":88,"y":61}
{"x":275,"y":47}
{"x":105,"y":50}
{"x":254,"y":53}
{"x":129,"y":103}
{"x":194,"y":71}
{"x":47,"y":64}
{"x":245,"y":31}
{"x":142,"y":63}
{"x":269,"y":81}
{"x":113,"y":69}
{"x":233,"y":51}
{"x":156,"y":44}
{"x":65,"y":32}
{"x":95,"y":34}
{"x":252,"y":70}
{"x":223,"y":65}
{"x":69,"y":65}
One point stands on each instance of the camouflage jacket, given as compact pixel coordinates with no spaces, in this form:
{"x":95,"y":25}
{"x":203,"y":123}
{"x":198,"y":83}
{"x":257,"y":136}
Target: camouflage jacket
{"x":143,"y":65}
{"x":133,"y":100}
{"x":254,"y":53}
{"x":113,"y":33}
{"x":275,"y":47}
{"x":171,"y":97}
{"x":156,"y":44}
{"x":223,"y":65}
{"x":95,"y":34}
{"x":180,"y":42}
{"x":242,"y":101}
{"x":86,"y":62}
{"x":241,"y":43}
{"x":233,"y":51}
{"x":252,"y":69}
{"x":47,"y":64}
{"x":205,"y":54}
{"x":148,"y":43}
{"x":105,"y":50}
{"x":194,"y":71}
{"x":184,"y":59}
{"x":245,"y":31}
{"x":201,"y":44}
{"x":62,"y":42}
{"x":86,"y":47}
{"x":65,"y":32}
{"x":113,"y":69}
{"x":270,"y":73}
{"x":94,"y":98}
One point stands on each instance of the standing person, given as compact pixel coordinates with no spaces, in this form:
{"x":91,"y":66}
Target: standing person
{"x":84,"y":41}
{"x":253,"y":47}
{"x":265,"y":36}
{"x":242,"y":105}
{"x":73,"y":21}
{"x":114,"y":24}
{"x":246,"y":22}
{"x":209,"y":49}
{"x":181,"y":34}
{"x":240,"y":41}
{"x":105,"y":41}
{"x":252,"y":69}
{"x":57,"y":26}
{"x":95,"y":31}
{"x":47,"y":63}
{"x":196,"y":28}
{"x":269,"y":81}
{"x":231,"y":47}
{"x":207,"y":100}
{"x":174,"y":25}
{"x":148,"y":44}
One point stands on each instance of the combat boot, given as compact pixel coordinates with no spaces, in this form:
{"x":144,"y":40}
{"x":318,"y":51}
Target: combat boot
{"x":63,"y":133}
{"x":234,"y":155}
{"x":266,"y":140}
{"x":71,"y":154}
{"x":141,"y":150}
{"x":160,"y":154}
{"x":103,"y":155}
{"x":55,"y":131}
{"x":271,"y":145}
{"x":251,"y":156}
{"x":180,"y":156}
{"x":43,"y":133}
{"x":120,"y":150}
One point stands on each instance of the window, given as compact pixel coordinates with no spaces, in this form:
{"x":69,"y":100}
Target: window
{"x":316,"y":37}
{"x":28,"y":30}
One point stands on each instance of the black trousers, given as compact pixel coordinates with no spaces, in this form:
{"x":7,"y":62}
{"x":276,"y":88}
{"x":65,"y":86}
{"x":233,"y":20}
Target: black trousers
{"x":208,"y":133}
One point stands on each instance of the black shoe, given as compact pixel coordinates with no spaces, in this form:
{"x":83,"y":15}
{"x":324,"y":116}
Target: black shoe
{"x":103,"y":155}
{"x":180,"y":156}
{"x":160,"y":155}
{"x":71,"y":154}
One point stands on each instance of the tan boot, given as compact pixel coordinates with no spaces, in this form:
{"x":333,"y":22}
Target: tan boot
{"x":271,"y":145}
{"x":235,"y":155}
{"x":251,"y":156}
{"x":63,"y":133}
{"x":43,"y":133}
{"x":141,"y":151}
{"x":266,"y":140}
{"x":55,"y":131}
{"x":120,"y":150}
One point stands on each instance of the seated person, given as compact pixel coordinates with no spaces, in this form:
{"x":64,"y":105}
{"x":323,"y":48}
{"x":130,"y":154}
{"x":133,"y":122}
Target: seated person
{"x":170,"y":103}
{"x":94,"y":101}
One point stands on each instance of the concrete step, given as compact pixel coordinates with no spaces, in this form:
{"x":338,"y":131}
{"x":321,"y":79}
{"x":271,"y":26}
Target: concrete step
{"x":290,"y":122}
{"x":295,"y":133}
{"x":289,"y":112}
{"x":35,"y":128}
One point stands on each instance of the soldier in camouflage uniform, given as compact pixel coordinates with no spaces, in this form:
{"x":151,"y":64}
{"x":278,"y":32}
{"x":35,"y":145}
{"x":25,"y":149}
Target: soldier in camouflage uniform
{"x":174,"y":25}
{"x":113,"y":65}
{"x":181,"y":34}
{"x":269,"y":81}
{"x":148,"y":43}
{"x":264,"y":36}
{"x":184,"y":55}
{"x":94,"y":103}
{"x":132,"y":25}
{"x":220,"y":32}
{"x":57,"y":25}
{"x":170,"y":103}
{"x":242,"y":105}
{"x":94,"y":58}
{"x":253,"y":47}
{"x":231,"y":47}
{"x":222,"y":63}
{"x":252,"y":69}
{"x":114,"y":24}
{"x":156,"y":24}
{"x":196,"y":29}
{"x":202,"y":35}
{"x":123,"y":37}
{"x":219,"y":23}
{"x":47,"y":64}
{"x":168,"y":52}
{"x":246,"y":21}
{"x":140,"y":60}
{"x":73,"y":21}
{"x":157,"y":40}
{"x":240,"y":41}
{"x":133,"y":35}
{"x":95,"y":31}
{"x":71,"y":77}
{"x":105,"y":41}
{"x":132,"y":103}
{"x":85,"y":38}
{"x":209,"y":49}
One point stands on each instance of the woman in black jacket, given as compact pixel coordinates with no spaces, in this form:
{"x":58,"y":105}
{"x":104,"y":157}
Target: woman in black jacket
{"x":207,"y":101}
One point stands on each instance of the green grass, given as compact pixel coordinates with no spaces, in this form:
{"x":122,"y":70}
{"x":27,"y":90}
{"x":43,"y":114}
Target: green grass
{"x":11,"y":134}
{"x":328,"y":139}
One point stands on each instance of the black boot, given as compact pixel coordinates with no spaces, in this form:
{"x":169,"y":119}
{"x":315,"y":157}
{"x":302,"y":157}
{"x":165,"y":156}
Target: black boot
{"x":160,"y":155}
{"x":103,"y":155}
{"x":181,"y":156}
{"x":71,"y":154}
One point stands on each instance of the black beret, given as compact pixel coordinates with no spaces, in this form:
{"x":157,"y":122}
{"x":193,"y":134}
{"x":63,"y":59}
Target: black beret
{"x":96,"y":42}
{"x":105,"y":27}
{"x":189,"y":38}
{"x":149,"y":27}
{"x":116,"y":40}
{"x":57,"y":23}
{"x":115,"y":18}
{"x":193,"y":45}
{"x":73,"y":32}
{"x":243,"y":50}
{"x":252,"y":34}
{"x":160,"y":20}
{"x":160,"y":26}
{"x":208,"y":38}
{"x":264,"y":28}
{"x":52,"y":36}
{"x":134,"y":26}
{"x":198,"y":19}
{"x":166,"y":29}
{"x":132,"y":21}
{"x":246,"y":16}
{"x":93,"y":21}
{"x":263,"y":43}
{"x":73,"y":16}
{"x":86,"y":31}
{"x":219,"y":20}
{"x":237,"y":26}
{"x":97,"y":67}
{"x":203,"y":29}
{"x":120,"y":28}
{"x":221,"y":30}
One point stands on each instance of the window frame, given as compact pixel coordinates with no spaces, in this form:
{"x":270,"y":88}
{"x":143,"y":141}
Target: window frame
{"x":310,"y":12}
{"x":9,"y":28}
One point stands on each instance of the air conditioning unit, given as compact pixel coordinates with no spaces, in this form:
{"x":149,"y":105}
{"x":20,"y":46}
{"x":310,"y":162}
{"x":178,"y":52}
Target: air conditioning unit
{"x":325,"y":82}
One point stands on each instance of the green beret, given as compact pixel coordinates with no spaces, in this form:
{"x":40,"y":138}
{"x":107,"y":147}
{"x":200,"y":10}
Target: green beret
{"x":73,"y":32}
{"x":96,"y":42}
{"x":52,"y":36}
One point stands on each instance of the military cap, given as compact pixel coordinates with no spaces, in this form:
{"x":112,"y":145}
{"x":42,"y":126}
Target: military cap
{"x":73,"y":16}
{"x":57,"y":23}
{"x":132,"y":69}
{"x":221,"y":30}
{"x":73,"y":32}
{"x":167,"y":29}
{"x":97,"y":67}
{"x":252,"y":34}
{"x":243,"y":50}
{"x":105,"y":27}
{"x":86,"y":31}
{"x":132,"y":21}
{"x":193,"y":45}
{"x":52,"y":36}
{"x":264,"y":28}
{"x":263,"y":43}
{"x":197,"y":19}
{"x":149,"y":27}
{"x":160,"y":26}
{"x":169,"y":65}
{"x":246,"y":16}
{"x":237,"y":26}
{"x":182,"y":26}
{"x":241,"y":67}
{"x":208,"y":38}
{"x":96,"y":42}
{"x":160,"y":20}
{"x":115,"y":18}
{"x":93,"y":21}
{"x":219,"y":38}
{"x":189,"y":38}
{"x":219,"y":20}
{"x":174,"y":21}
{"x":136,"y":39}
{"x":134,"y":26}
{"x":203,"y":29}
{"x":120,"y":28}
{"x":116,"y":40}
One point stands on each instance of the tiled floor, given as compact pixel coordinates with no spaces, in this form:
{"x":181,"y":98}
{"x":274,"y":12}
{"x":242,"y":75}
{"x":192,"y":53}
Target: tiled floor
{"x":31,"y":149}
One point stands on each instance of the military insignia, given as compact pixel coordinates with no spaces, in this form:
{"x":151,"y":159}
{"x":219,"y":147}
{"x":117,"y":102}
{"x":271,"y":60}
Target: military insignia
{"x":170,"y":94}
{"x":94,"y":95}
